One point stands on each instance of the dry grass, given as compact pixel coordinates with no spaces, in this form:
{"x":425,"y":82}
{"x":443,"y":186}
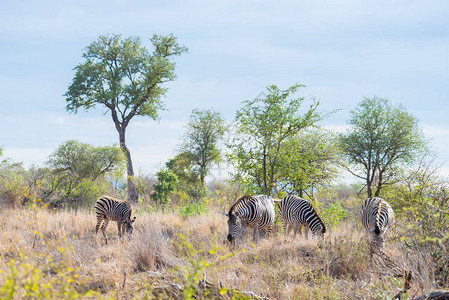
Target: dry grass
{"x":167,"y":249}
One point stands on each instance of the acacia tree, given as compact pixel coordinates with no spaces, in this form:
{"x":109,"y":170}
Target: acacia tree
{"x":310,"y":159}
{"x":203,"y":131}
{"x":125,"y":78}
{"x":73,"y":164}
{"x":263,"y":125}
{"x":382,"y":140}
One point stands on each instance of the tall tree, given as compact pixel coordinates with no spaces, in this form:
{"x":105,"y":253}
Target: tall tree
{"x":382,"y":140}
{"x":263,"y":125}
{"x":311,"y":159}
{"x":125,"y":78}
{"x":203,"y":132}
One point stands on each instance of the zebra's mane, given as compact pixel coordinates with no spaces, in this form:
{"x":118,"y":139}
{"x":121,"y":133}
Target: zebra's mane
{"x":241,"y":199}
{"x":379,"y":210}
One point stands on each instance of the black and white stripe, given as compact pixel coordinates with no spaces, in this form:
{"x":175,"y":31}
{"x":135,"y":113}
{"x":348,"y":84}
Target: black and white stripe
{"x":111,"y":209}
{"x":377,"y":216}
{"x":296,"y":212}
{"x":256,"y":212}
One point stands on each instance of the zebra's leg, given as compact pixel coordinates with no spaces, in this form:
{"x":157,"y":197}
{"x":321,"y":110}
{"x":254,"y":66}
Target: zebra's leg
{"x":306,"y":230}
{"x":289,"y":228}
{"x":119,"y":227}
{"x":269,"y":230}
{"x":294,"y":231}
{"x":97,"y":227}
{"x":256,"y":235}
{"x":284,"y":227}
{"x":103,"y":229}
{"x":239,"y":234}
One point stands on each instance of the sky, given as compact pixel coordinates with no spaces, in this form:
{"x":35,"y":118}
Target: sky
{"x":342,"y":51}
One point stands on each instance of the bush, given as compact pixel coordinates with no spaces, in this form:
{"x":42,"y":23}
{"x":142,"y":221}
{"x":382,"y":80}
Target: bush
{"x":193,"y":208}
{"x":333,"y":214}
{"x":421,"y":202}
{"x":14,"y":186}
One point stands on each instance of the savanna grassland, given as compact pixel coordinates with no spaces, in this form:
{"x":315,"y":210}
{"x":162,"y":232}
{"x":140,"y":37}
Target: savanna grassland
{"x":48,"y":254}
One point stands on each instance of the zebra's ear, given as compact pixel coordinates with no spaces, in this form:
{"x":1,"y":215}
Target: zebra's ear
{"x":132,"y":221}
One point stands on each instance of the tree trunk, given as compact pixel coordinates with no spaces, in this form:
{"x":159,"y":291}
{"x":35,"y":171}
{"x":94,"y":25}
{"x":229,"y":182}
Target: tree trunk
{"x":132,"y":192}
{"x":202,"y":174}
{"x":379,"y":184}
{"x":368,"y":188}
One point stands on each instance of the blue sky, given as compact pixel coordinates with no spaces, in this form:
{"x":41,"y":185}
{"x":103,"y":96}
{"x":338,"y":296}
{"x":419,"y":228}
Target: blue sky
{"x":341,"y":50}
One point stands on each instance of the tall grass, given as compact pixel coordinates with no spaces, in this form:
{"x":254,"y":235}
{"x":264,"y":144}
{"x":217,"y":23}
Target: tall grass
{"x":46,"y":254}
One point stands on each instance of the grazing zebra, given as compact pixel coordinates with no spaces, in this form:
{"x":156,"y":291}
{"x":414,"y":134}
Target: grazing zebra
{"x":110,"y":209}
{"x":296,"y":212}
{"x":251,"y":211}
{"x":377,"y":215}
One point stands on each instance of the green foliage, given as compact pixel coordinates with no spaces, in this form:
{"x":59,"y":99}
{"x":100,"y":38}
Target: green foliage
{"x":263,"y":126}
{"x":308,"y":160}
{"x":124,"y":76}
{"x":87,"y":192}
{"x":383,"y":139}
{"x":4,"y":160}
{"x":421,"y":201}
{"x":166,"y":183}
{"x":14,"y":186}
{"x":77,"y":161}
{"x":193,"y":208}
{"x":79,"y":171}
{"x":76,"y":175}
{"x":333,"y":214}
{"x":189,"y":182}
{"x":204,"y":130}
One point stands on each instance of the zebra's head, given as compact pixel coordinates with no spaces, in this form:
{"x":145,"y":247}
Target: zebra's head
{"x":234,"y":225}
{"x":320,"y":230}
{"x":128,"y":225}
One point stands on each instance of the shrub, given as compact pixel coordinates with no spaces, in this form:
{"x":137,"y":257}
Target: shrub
{"x":13,"y":184}
{"x":333,"y":214}
{"x":166,"y":184}
{"x":421,"y":202}
{"x":193,"y":208}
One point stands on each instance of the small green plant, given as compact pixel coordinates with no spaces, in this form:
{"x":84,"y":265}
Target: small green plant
{"x":43,"y":278}
{"x":193,"y":208}
{"x":196,"y":266}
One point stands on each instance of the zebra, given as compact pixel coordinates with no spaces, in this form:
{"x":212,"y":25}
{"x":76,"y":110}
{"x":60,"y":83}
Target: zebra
{"x":111,"y":209}
{"x":377,"y":216}
{"x":251,"y":211}
{"x":295,"y":212}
